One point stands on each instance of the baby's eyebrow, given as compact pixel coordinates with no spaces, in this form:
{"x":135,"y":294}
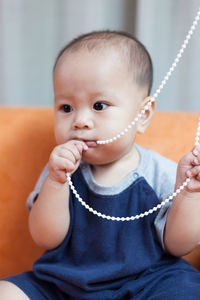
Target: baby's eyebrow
{"x":62,"y":98}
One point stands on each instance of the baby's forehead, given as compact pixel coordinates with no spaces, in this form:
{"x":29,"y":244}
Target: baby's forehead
{"x":114,"y":53}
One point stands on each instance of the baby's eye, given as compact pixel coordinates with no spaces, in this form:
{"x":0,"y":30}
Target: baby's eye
{"x":66,"y":108}
{"x":100,"y":106}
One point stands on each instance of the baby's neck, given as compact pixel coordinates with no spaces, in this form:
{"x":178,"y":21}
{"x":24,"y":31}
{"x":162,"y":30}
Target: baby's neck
{"x":114,"y":172}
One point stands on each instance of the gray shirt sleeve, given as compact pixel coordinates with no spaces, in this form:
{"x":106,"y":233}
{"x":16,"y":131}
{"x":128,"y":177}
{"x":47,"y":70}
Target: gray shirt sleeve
{"x":160,"y":173}
{"x":33,"y":195}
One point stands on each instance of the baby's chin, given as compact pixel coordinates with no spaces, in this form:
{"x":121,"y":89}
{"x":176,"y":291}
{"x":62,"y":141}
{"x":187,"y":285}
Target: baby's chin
{"x":95,"y":159}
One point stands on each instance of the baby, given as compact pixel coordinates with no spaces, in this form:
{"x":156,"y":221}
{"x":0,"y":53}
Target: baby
{"x":101,"y":82}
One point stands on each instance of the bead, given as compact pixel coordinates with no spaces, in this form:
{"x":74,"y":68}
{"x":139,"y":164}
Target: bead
{"x":158,"y":91}
{"x":166,"y":78}
{"x":190,"y":32}
{"x":187,"y":40}
{"x":188,"y":37}
{"x":129,"y":126}
{"x":152,"y":99}
{"x":126,"y":130}
{"x":162,"y":84}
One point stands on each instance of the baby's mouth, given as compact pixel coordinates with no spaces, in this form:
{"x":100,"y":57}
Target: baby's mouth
{"x":90,"y":144}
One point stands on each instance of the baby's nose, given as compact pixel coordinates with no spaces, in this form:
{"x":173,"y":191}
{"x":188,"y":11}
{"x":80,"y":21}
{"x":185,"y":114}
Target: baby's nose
{"x":82,"y":122}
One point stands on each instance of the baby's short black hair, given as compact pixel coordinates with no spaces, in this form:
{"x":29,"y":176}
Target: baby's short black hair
{"x":136,"y":56}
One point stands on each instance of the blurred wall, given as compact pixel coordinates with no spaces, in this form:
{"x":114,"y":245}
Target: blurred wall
{"x":32,"y":33}
{"x":162,"y":26}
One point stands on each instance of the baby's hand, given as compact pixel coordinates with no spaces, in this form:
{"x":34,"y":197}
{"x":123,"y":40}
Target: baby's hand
{"x":65,"y":158}
{"x":189,"y":166}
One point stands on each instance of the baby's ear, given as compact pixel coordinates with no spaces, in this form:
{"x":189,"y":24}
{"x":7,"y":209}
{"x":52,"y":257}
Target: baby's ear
{"x":146,"y":117}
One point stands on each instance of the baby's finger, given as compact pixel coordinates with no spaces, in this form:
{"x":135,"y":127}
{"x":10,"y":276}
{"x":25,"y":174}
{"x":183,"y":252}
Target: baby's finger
{"x":194,"y":172}
{"x":71,"y":151}
{"x":76,"y":149}
{"x":61,"y":163}
{"x":68,"y":154}
{"x":196,"y":150}
{"x":81,"y":146}
{"x":196,"y":155}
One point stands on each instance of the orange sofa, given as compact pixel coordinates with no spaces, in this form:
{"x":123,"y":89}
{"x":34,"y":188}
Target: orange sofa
{"x":27,"y":139}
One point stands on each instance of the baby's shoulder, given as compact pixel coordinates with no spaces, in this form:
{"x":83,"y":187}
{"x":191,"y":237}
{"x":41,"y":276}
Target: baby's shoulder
{"x":159,"y":171}
{"x":155,"y":161}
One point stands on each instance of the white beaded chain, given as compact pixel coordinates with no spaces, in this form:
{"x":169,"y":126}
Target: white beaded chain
{"x":136,"y":119}
{"x":132,"y":218}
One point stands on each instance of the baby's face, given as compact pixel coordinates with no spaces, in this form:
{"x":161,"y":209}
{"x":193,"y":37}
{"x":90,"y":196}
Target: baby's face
{"x":95,"y":99}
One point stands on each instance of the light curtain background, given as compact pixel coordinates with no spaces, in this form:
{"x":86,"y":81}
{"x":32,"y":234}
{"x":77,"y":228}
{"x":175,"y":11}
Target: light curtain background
{"x":32,"y":33}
